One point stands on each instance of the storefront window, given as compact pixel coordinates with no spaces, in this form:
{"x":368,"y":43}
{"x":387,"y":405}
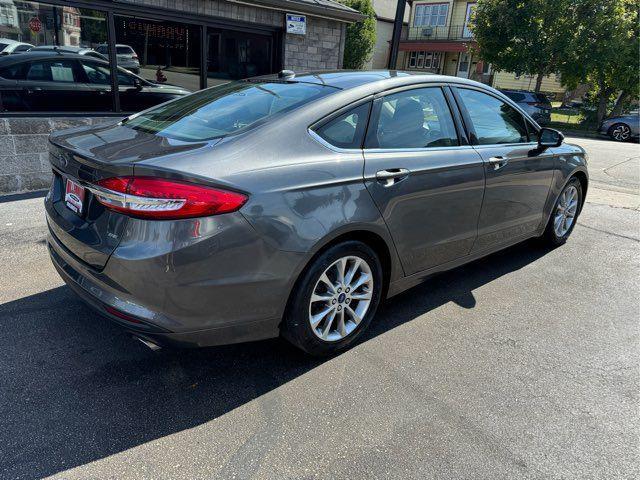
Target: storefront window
{"x":235,"y":55}
{"x":161,"y":52}
{"x":31,"y":84}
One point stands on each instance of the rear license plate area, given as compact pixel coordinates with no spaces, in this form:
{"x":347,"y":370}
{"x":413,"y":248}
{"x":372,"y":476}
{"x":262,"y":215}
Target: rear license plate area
{"x":74,"y":196}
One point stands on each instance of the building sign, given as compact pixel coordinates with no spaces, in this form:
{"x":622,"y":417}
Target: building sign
{"x":35,"y":25}
{"x":296,"y":24}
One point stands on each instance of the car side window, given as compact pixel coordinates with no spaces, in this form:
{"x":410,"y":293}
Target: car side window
{"x":417,"y":118}
{"x":13,"y":72}
{"x":346,"y":130}
{"x":493,"y":120}
{"x":52,"y":71}
{"x":101,"y":74}
{"x":97,"y":74}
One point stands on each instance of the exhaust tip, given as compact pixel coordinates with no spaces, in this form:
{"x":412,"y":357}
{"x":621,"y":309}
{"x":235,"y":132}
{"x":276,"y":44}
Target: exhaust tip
{"x":149,"y":344}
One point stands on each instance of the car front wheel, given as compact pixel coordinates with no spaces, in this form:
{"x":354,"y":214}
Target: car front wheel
{"x":335,"y":299}
{"x":620,"y":132}
{"x":565,"y":214}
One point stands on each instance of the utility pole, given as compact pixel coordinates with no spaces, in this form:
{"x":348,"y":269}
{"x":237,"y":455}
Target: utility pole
{"x":395,"y":38}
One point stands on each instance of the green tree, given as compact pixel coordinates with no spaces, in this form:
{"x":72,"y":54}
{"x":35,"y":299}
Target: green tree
{"x":523,"y":36}
{"x":605,"y":52}
{"x":361,"y":36}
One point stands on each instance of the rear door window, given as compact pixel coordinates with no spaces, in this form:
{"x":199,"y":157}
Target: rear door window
{"x":346,"y":130}
{"x":52,"y":71}
{"x":418,"y":118}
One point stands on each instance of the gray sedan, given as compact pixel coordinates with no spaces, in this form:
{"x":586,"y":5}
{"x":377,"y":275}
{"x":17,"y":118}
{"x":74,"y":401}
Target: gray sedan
{"x":622,"y":128}
{"x":291,"y":205}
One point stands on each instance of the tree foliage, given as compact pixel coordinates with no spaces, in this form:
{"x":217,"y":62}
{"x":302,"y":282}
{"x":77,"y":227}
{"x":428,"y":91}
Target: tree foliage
{"x":604,"y":51}
{"x":361,"y":36}
{"x":523,"y":36}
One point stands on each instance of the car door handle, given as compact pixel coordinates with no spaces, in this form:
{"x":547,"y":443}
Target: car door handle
{"x":498,"y":162}
{"x":391,"y":176}
{"x":32,"y":89}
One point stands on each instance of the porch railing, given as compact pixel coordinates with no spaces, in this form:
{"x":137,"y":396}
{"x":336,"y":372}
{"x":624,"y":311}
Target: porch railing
{"x":449,"y":32}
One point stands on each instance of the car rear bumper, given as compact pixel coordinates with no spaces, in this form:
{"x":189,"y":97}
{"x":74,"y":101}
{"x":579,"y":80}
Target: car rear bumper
{"x":190,"y":296}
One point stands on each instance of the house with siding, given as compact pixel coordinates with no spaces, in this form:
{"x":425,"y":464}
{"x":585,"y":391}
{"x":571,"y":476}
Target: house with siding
{"x":438,"y":39}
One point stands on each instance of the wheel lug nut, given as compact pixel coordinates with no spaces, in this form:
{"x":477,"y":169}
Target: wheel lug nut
{"x":339,"y":290}
{"x":333,"y":301}
{"x":348,"y":290}
{"x":339,"y":307}
{"x":348,"y":300}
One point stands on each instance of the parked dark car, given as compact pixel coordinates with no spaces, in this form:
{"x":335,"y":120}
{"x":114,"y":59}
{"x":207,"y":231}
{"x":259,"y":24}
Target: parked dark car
{"x":622,"y":128}
{"x":292,"y":205}
{"x":535,"y":104}
{"x":50,"y":81}
{"x":69,"y":49}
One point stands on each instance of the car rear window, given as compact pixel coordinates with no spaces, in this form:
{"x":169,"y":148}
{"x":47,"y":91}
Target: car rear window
{"x":123,"y":50}
{"x":226,"y":109}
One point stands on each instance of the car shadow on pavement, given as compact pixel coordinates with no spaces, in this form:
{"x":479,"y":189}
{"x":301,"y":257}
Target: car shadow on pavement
{"x":74,"y":388}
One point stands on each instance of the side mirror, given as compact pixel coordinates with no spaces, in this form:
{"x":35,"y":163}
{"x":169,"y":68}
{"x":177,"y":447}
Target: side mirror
{"x":550,"y":138}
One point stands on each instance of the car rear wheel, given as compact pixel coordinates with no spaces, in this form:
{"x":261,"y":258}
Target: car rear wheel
{"x":565,"y":214}
{"x":620,"y":132}
{"x":334,"y":300}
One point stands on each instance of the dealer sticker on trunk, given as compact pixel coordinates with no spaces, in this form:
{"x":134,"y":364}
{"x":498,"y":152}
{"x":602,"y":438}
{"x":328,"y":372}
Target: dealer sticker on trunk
{"x":74,"y":196}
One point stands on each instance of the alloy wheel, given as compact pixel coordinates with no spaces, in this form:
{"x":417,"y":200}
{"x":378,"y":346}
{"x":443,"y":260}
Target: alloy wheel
{"x":621,"y":132}
{"x":566,"y":210}
{"x":341,"y":298}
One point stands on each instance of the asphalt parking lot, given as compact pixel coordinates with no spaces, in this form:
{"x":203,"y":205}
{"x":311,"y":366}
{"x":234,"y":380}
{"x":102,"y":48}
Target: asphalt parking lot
{"x":521,"y":365}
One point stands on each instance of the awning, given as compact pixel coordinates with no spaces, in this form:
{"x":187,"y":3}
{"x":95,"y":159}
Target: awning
{"x":435,"y":46}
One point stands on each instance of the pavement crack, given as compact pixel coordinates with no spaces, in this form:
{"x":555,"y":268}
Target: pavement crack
{"x":609,"y":233}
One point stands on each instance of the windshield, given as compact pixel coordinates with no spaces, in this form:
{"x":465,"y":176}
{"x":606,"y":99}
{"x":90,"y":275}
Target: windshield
{"x":225,"y":109}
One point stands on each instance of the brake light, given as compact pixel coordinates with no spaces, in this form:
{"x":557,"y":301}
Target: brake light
{"x":134,"y":56}
{"x":162,"y":199}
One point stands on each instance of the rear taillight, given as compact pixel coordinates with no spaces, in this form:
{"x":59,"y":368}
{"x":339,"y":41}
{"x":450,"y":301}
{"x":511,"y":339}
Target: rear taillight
{"x":158,"y":198}
{"x":134,"y":56}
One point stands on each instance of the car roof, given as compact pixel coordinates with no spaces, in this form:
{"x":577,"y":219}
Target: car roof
{"x":41,"y":55}
{"x":10,"y":41}
{"x":62,"y":48}
{"x":348,"y":79}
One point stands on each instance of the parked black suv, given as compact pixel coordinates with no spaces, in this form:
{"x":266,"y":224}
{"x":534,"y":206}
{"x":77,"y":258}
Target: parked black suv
{"x":51,"y":81}
{"x":535,"y":104}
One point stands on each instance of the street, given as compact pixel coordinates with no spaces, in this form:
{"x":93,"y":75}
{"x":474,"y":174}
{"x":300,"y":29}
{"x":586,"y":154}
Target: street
{"x":520,"y":365}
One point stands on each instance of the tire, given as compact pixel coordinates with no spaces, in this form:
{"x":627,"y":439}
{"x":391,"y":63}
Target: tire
{"x":620,"y":132}
{"x":337,"y":330}
{"x":553,"y":235}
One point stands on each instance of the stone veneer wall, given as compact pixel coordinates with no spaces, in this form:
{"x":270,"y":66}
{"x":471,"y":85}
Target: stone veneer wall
{"x":24,"y":163}
{"x":23,"y":141}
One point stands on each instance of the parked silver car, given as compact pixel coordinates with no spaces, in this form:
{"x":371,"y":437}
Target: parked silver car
{"x":622,"y":128}
{"x":125,"y":56}
{"x":292,"y":205}
{"x":10,"y":47}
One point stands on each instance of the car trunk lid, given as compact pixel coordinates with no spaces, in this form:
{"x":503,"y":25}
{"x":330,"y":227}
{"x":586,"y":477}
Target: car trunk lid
{"x":83,"y":157}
